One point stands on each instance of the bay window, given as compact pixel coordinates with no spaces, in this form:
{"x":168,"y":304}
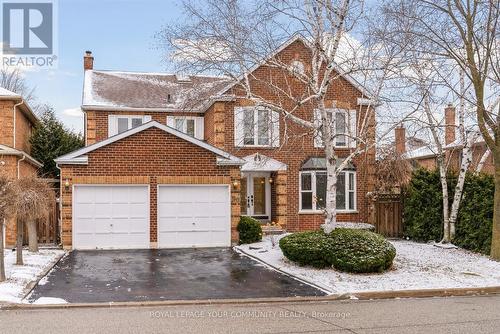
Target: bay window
{"x":313,"y":188}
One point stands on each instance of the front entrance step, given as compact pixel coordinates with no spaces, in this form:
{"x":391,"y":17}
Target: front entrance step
{"x":272,"y":230}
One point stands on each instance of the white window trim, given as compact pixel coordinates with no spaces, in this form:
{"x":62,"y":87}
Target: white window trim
{"x":313,"y":189}
{"x":113,"y":122}
{"x":198,"y":124}
{"x":184,"y":124}
{"x":318,"y":142}
{"x":256,"y":128}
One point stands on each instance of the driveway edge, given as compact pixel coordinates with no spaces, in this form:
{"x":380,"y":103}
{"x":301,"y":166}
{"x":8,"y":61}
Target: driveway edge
{"x":31,"y":285}
{"x":372,"y":295}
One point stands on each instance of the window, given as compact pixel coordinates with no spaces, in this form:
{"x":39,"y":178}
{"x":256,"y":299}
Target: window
{"x":256,"y":127}
{"x":344,"y":129}
{"x":312,"y":195}
{"x":340,"y":129}
{"x":185,"y":125}
{"x":298,"y":67}
{"x":190,"y":125}
{"x":125,"y":123}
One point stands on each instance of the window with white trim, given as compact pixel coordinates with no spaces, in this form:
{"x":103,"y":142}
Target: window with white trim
{"x":185,"y":125}
{"x":256,"y":127}
{"x":312,"y":190}
{"x":121,"y":123}
{"x":190,"y":125}
{"x":344,"y":127}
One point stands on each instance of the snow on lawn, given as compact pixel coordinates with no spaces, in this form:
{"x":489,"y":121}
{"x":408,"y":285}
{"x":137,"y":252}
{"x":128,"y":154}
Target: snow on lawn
{"x":416,"y":266}
{"x":18,"y":277}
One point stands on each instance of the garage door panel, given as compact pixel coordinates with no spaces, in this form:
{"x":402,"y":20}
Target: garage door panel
{"x":193,"y":216}
{"x":111,"y":217}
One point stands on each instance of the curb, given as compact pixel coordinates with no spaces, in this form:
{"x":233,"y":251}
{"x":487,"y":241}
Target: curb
{"x":375,"y":295}
{"x":31,"y":285}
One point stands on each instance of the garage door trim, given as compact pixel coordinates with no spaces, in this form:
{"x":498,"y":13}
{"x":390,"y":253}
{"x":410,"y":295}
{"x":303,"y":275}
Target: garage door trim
{"x":224,"y":185}
{"x":73,"y":205}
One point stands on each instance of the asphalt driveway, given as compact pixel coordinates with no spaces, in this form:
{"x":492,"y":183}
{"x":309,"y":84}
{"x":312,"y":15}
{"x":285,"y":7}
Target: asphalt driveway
{"x":166,"y":274}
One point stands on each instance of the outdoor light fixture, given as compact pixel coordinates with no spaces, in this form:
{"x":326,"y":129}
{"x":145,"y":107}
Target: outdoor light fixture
{"x":235,"y":184}
{"x":271,"y":180}
{"x":66,"y":184}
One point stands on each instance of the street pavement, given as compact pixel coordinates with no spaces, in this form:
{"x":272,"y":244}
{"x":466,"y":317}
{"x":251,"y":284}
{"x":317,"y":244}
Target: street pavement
{"x":429,"y":315}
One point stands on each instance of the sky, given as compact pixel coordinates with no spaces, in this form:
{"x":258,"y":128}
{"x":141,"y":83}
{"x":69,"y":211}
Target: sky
{"x":120,"y":34}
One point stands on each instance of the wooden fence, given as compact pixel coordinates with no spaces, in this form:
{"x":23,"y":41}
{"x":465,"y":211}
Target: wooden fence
{"x":388,"y":216}
{"x":47,"y":229}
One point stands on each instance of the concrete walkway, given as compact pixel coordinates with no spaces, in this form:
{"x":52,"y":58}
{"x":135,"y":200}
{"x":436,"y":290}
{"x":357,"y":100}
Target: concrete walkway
{"x":433,"y":315}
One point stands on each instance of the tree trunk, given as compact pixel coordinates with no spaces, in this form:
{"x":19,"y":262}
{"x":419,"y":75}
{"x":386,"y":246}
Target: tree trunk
{"x":495,"y":239}
{"x":32,"y":236}
{"x":19,"y":243}
{"x":2,"y":264}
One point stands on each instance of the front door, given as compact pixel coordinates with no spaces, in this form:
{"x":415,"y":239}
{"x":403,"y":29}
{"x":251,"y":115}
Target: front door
{"x":256,"y":195}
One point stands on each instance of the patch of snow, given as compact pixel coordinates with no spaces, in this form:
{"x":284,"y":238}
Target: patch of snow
{"x":49,"y":301}
{"x":18,"y":277}
{"x":360,"y":226}
{"x":416,"y":266}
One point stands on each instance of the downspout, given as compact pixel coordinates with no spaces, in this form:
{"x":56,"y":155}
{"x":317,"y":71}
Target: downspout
{"x":19,"y":166}
{"x":14,"y":114}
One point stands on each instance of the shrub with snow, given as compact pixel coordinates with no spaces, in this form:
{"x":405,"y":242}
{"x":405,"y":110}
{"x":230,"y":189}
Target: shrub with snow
{"x":359,"y":251}
{"x":307,"y":248}
{"x":249,"y":230}
{"x":351,"y":250}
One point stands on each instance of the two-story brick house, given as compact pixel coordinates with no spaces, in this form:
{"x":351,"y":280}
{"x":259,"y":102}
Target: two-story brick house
{"x":174,"y":161}
{"x":16,"y":123}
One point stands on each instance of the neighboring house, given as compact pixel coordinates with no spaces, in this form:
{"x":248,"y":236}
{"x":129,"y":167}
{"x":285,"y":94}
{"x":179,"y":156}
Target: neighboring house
{"x":16,"y":123}
{"x":174,"y":161}
{"x":424,"y":155}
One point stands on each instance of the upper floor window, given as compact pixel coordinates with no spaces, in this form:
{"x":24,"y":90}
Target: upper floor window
{"x":189,"y":125}
{"x":343,"y":125}
{"x":256,"y":127}
{"x":298,"y":67}
{"x":121,"y":123}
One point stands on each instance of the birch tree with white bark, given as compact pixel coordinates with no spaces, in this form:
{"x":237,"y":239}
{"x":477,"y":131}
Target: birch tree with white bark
{"x":466,"y":33}
{"x":232,"y":38}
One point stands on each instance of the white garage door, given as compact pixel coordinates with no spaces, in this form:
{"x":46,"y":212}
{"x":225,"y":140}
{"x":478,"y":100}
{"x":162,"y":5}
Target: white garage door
{"x":194,"y":216}
{"x":110,"y":217}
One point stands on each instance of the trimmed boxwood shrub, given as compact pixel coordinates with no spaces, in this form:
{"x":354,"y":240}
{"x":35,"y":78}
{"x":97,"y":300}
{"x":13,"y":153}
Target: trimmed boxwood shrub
{"x":250,"y":230}
{"x":351,"y":250}
{"x":360,"y":251}
{"x":307,"y":248}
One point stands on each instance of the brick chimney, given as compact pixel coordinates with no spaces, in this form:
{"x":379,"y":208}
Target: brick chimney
{"x":449,"y":122}
{"x":88,"y":61}
{"x":400,"y":135}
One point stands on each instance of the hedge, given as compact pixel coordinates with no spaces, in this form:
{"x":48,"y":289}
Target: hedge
{"x":423,"y":209}
{"x":351,"y":250}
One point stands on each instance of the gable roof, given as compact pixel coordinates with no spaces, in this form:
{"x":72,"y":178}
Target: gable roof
{"x":7,"y":150}
{"x":299,"y":38}
{"x":6,"y":94}
{"x":79,"y":156}
{"x":118,"y":90}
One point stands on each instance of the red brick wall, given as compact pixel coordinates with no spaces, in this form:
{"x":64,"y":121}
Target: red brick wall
{"x":97,"y":122}
{"x":149,"y":157}
{"x":299,"y":147}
